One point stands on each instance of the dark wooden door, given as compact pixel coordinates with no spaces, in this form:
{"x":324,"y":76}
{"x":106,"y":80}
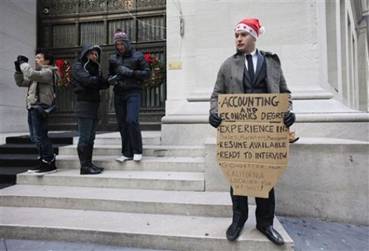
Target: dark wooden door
{"x":65,"y":25}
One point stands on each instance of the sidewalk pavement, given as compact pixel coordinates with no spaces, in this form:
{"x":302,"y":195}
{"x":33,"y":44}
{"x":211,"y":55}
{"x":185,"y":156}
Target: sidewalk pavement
{"x":309,"y":235}
{"x":316,"y":235}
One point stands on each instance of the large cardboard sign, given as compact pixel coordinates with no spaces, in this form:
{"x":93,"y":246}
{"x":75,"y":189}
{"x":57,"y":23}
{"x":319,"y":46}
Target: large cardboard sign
{"x":252,"y":142}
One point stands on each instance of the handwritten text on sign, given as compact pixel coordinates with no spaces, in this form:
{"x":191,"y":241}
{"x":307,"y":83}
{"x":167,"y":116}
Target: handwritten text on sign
{"x":252,"y":144}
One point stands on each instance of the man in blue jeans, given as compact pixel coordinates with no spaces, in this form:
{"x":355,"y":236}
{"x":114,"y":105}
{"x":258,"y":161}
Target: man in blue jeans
{"x":40,"y":96}
{"x":128,"y":69}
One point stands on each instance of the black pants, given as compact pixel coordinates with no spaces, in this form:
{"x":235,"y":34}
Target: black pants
{"x":264,"y":208}
{"x":127,"y":108}
{"x":86,"y":131}
{"x":39,"y":134}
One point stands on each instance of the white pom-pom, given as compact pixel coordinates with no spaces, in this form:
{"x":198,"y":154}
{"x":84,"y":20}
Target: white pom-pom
{"x":261,"y":30}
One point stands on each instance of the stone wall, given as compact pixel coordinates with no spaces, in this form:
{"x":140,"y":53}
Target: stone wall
{"x":310,"y":39}
{"x":326,"y":178}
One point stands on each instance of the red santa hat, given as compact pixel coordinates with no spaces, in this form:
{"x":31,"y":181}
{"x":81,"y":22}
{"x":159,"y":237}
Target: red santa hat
{"x":250,"y":25}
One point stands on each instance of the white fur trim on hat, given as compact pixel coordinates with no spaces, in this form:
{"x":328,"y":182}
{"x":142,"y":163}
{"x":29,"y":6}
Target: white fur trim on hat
{"x":245,"y":27}
{"x":261,"y":30}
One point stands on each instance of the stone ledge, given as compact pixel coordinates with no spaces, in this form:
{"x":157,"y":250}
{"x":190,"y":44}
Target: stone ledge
{"x":300,"y":117}
{"x":308,"y":95}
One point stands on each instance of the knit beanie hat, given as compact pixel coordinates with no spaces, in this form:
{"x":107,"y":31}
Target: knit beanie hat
{"x":119,"y":35}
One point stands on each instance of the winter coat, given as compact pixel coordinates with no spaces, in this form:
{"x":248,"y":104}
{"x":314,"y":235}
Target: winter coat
{"x":40,"y":84}
{"x":230,"y":78}
{"x":87,"y":81}
{"x":135,"y":61}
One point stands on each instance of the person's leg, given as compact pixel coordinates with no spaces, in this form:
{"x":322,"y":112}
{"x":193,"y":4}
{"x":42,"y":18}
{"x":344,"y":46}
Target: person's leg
{"x":40,"y":138}
{"x":120,"y":105}
{"x":240,"y":215}
{"x":265,"y":208}
{"x":91,"y":144}
{"x":133,"y":126}
{"x":46,"y":146}
{"x":85,"y":127}
{"x":32,"y":138}
{"x":264,"y":213}
{"x":31,"y":127}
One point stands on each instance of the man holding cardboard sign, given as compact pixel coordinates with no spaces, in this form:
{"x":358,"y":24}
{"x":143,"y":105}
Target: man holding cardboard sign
{"x":251,"y":71}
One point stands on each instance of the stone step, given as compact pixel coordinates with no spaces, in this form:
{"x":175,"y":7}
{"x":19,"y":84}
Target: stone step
{"x":55,"y":138}
{"x":17,"y":160}
{"x":188,"y":164}
{"x":181,"y":181}
{"x":216,"y":204}
{"x":170,"y":232}
{"x":148,"y":150}
{"x":23,"y":149}
{"x":113,"y":138}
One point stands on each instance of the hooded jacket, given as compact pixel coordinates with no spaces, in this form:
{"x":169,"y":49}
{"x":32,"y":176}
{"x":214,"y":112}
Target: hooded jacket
{"x":135,"y":61}
{"x":40,"y":84}
{"x":87,"y":81}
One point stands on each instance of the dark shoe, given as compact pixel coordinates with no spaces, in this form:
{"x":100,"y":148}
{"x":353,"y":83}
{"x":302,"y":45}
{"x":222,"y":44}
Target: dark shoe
{"x":235,"y":229}
{"x":85,"y":161}
{"x":271,"y":234}
{"x":97,"y":167}
{"x":46,"y":167}
{"x":90,"y":149}
{"x":89,"y":170}
{"x":33,"y":169}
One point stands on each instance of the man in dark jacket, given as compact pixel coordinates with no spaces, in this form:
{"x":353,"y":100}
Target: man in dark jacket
{"x":129,"y":68}
{"x":250,"y":71}
{"x":40,"y":83}
{"x":87,"y":81}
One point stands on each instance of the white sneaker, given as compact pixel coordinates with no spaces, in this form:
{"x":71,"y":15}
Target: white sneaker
{"x":122,"y":158}
{"x":137,"y":157}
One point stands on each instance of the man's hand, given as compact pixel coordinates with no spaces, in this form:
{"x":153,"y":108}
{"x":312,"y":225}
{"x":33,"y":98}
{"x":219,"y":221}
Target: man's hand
{"x":214,"y":120}
{"x":113,"y":80}
{"x":289,"y":119}
{"x":124,"y":71}
{"x":22,"y":59}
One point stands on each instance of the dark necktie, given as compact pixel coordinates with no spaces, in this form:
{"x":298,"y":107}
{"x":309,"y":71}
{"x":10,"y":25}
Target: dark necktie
{"x":250,"y":67}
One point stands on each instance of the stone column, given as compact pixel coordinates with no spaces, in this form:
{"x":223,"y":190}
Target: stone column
{"x":17,"y":36}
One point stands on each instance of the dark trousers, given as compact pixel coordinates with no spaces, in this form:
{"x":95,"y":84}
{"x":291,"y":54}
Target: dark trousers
{"x":127,"y":108}
{"x":86,"y":131}
{"x":264,"y":208}
{"x":39,"y":134}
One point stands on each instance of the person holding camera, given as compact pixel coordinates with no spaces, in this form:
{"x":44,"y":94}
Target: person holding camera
{"x":128,"y":69}
{"x":87,"y":81}
{"x":40,"y":99}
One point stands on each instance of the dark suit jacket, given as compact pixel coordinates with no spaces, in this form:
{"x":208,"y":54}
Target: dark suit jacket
{"x":230,"y":77}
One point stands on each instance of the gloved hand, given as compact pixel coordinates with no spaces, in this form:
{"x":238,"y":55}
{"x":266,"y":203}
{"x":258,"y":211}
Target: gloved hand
{"x":22,"y":59}
{"x":17,"y":66}
{"x":214,"y":120}
{"x":124,"y":71}
{"x":113,"y":80}
{"x":289,"y":119}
